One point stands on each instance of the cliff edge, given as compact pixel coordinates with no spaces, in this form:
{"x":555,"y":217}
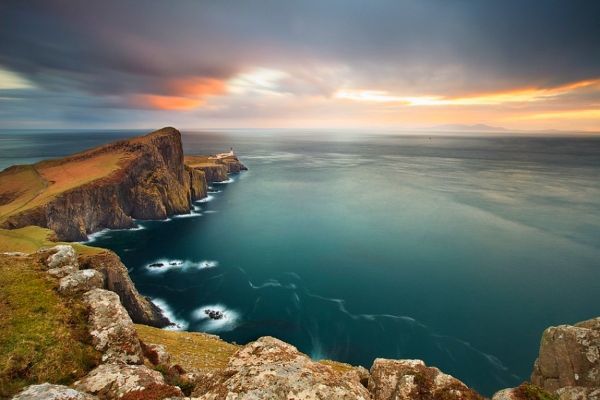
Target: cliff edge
{"x":107,"y":187}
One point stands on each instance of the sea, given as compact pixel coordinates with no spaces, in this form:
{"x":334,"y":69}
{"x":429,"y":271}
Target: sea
{"x":351,"y":245}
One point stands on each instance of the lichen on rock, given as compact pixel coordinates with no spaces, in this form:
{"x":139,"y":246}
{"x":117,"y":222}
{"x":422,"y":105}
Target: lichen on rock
{"x":111,"y":328}
{"x":412,"y":379}
{"x":47,"y":391}
{"x":81,"y":281}
{"x":271,"y":369}
{"x":569,"y":356}
{"x":119,"y":381}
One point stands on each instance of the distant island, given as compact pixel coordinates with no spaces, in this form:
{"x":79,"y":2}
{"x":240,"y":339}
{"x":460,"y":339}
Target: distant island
{"x":73,"y":325}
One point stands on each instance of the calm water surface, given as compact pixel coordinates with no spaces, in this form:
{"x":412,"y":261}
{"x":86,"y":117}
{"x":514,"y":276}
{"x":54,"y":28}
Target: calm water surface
{"x":455,"y":250}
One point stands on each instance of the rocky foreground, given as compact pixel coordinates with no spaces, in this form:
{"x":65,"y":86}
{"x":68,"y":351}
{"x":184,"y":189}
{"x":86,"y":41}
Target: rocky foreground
{"x":568,"y":366}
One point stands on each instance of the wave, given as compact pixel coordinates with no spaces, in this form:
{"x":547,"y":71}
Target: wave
{"x":178,"y":323}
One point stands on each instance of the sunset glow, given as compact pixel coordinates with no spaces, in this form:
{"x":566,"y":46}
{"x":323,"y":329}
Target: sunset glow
{"x":389,"y":65}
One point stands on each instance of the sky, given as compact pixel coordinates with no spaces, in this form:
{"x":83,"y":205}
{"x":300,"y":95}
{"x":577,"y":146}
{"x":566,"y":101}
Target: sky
{"x":392,"y":64}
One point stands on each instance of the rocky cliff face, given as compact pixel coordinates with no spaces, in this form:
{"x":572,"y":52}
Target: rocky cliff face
{"x":569,"y":359}
{"x":149,"y":183}
{"x":116,"y":278}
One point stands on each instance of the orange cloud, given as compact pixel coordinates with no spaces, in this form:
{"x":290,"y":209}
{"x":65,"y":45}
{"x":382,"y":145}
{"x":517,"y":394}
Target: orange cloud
{"x":184,"y":94}
{"x":198,"y":87}
{"x":167,"y":102}
{"x":495,"y":98}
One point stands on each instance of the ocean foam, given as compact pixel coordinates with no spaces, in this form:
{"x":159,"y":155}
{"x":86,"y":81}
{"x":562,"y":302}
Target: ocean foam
{"x":228,"y":322}
{"x":192,"y":214}
{"x":230,"y":180}
{"x":206,"y":199}
{"x":178,"y":323}
{"x":92,"y":237}
{"x":181,"y":265}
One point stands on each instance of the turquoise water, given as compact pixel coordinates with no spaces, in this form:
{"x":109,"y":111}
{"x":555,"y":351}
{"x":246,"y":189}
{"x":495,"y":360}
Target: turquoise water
{"x":455,"y":250}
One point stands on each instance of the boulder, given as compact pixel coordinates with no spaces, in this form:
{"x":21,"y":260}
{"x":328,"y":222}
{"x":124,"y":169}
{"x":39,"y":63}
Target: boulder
{"x":271,"y":369}
{"x":47,"y":391}
{"x":578,"y":393}
{"x":111,"y":328}
{"x":412,"y":379}
{"x":61,"y":272}
{"x":569,"y":357}
{"x":119,"y":381}
{"x":156,"y":353}
{"x":116,"y":279}
{"x":525,"y":391}
{"x":81,"y":281}
{"x":62,"y":254}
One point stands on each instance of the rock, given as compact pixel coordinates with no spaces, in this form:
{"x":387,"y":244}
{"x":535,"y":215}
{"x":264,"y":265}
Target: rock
{"x":507,"y":394}
{"x":156,"y":353}
{"x":214,"y":314}
{"x":111,"y":328}
{"x":578,"y":393}
{"x":46,"y":391}
{"x":61,"y":272}
{"x":198,"y":183}
{"x":234,"y":165}
{"x":62,"y":255}
{"x":116,"y":279}
{"x":15,"y":254}
{"x":81,"y":281}
{"x":118,"y":381}
{"x":271,"y":369}
{"x":214,"y":173}
{"x":412,"y":379}
{"x":525,"y":391}
{"x":569,"y":357}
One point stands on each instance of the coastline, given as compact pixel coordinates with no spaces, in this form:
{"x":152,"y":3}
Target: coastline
{"x":112,"y":272}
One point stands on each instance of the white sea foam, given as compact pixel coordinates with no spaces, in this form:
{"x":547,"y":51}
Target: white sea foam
{"x":180,"y":265}
{"x":206,"y":199}
{"x":210,"y":212}
{"x":192,"y":214}
{"x":96,"y":235}
{"x":178,"y":323}
{"x":230,"y":180}
{"x":228,"y":322}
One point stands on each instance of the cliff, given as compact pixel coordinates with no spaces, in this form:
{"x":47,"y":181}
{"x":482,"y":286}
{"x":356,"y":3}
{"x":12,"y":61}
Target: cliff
{"x":116,"y":278}
{"x":107,"y":187}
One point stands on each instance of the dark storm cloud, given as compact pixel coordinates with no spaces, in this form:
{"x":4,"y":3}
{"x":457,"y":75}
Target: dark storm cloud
{"x":127,"y":48}
{"x":110,"y":46}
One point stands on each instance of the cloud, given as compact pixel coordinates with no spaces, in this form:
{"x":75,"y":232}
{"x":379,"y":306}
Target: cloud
{"x":307,"y":59}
